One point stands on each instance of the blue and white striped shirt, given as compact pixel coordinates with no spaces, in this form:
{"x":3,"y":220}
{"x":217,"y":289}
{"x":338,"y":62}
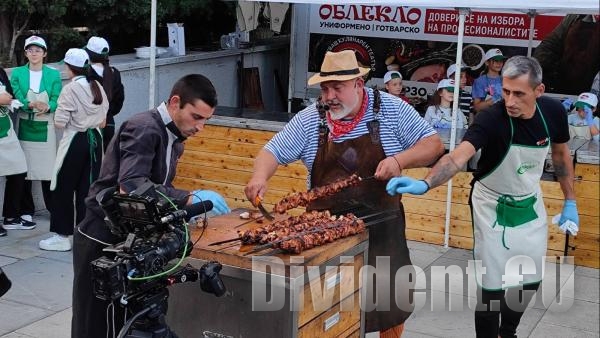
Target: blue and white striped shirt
{"x":401,"y":127}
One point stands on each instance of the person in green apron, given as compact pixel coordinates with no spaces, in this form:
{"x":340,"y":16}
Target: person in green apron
{"x":12,"y":159}
{"x":582,"y":123}
{"x":110,"y":79}
{"x":509,"y":217}
{"x":354,"y":129}
{"x":81,"y":111}
{"x":37,"y":87}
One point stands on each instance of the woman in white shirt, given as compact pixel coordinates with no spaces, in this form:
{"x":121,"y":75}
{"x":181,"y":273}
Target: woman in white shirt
{"x":439,"y":114}
{"x":81,"y":112}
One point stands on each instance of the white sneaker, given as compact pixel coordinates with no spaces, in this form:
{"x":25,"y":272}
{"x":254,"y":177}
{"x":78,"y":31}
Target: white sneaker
{"x":56,"y":243}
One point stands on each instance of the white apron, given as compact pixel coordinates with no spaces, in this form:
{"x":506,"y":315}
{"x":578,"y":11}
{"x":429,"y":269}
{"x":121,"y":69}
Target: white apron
{"x":40,"y":153}
{"x":63,"y":148}
{"x":582,"y":132}
{"x":12,"y":159}
{"x":509,"y":218}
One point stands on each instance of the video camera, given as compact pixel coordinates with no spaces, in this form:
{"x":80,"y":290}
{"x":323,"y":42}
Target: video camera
{"x":154,"y":232}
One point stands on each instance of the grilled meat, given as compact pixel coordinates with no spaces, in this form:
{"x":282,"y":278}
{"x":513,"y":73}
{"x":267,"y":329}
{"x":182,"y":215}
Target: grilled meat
{"x":304,"y":198}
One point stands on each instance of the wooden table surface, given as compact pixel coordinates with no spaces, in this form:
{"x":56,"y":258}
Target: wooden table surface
{"x":226,"y":226}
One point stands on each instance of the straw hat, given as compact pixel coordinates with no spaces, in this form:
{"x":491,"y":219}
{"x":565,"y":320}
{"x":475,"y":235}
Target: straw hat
{"x":338,"y":66}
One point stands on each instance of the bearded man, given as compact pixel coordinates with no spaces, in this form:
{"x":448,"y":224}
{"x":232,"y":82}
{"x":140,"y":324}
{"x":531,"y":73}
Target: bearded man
{"x":354,"y":129}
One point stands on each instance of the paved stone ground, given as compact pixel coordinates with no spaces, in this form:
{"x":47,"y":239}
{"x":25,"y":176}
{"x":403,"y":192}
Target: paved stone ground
{"x":39,"y":304}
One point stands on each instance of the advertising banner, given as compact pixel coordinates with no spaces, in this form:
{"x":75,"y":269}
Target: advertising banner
{"x":397,"y":22}
{"x":422,"y":42}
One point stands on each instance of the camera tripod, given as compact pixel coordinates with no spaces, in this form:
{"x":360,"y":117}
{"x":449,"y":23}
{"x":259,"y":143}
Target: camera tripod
{"x":149,"y":321}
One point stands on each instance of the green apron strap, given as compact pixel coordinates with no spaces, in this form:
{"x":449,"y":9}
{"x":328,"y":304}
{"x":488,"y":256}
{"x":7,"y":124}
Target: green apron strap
{"x":544,"y":122}
{"x":500,"y":210}
{"x":503,"y":238}
{"x":92,"y":141}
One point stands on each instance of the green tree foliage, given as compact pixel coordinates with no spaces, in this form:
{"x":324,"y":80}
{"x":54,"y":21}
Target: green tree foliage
{"x":16,"y":16}
{"x":125,"y":23}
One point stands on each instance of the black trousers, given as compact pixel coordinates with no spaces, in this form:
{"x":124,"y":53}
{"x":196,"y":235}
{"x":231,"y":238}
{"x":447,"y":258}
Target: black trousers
{"x":107,"y":134}
{"x":18,"y":199}
{"x":13,"y":192}
{"x":89,"y":312}
{"x":503,"y":311}
{"x":80,"y":168}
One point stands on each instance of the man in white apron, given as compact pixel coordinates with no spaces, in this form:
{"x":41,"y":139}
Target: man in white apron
{"x":509,"y":218}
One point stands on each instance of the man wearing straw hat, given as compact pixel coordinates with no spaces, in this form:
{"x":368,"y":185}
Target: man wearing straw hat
{"x":354,"y":129}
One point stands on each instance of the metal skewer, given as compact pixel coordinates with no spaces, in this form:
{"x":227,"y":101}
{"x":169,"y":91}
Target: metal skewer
{"x":300,"y":234}
{"x":392,"y":211}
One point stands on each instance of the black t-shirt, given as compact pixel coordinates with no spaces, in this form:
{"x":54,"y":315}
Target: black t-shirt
{"x":491,"y":131}
{"x":5,"y":82}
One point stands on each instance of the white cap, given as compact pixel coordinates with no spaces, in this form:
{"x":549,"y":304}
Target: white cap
{"x":36,"y":41}
{"x":495,"y":54}
{"x":452,"y":69}
{"x":97,"y":45}
{"x":446,"y":83}
{"x":586,"y":98}
{"x":77,"y":57}
{"x":393,"y":74}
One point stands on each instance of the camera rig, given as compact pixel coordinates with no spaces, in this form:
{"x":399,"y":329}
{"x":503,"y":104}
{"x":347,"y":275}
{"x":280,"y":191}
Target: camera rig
{"x":139,"y":269}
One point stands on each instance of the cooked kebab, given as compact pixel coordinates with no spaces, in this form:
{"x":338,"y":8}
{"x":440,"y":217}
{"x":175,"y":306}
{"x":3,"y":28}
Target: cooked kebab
{"x":292,"y":224}
{"x":304,"y":198}
{"x":341,"y":228}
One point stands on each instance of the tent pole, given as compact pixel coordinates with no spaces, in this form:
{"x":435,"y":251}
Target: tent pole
{"x":459,"y":46}
{"x":152,"y":87}
{"x":532,"y":13}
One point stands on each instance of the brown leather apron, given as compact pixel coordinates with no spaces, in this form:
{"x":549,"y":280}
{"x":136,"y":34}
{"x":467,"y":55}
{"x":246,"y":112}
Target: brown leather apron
{"x":362,"y":155}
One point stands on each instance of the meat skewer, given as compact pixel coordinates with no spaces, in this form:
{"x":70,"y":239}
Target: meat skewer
{"x":252,"y":236}
{"x":298,"y":223}
{"x":297,"y":242}
{"x":304,"y":198}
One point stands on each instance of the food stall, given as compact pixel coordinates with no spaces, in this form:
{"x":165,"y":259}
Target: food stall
{"x":312,"y":295}
{"x":221,"y":159}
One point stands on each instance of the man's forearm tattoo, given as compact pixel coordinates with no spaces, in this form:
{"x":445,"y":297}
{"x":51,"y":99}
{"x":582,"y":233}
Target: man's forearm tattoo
{"x":560,"y":170}
{"x":443,"y":171}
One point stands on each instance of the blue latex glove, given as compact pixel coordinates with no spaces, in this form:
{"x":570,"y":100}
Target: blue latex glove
{"x":219,"y":205}
{"x":569,"y":212}
{"x":567,"y":104}
{"x":589,"y":116}
{"x":405,"y":184}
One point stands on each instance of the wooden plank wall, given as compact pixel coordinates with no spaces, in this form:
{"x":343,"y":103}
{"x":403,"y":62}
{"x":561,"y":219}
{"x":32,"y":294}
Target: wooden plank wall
{"x":586,"y":245}
{"x":221,"y":159}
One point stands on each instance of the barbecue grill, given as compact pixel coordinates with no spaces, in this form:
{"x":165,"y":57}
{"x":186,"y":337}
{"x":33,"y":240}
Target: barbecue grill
{"x":304,"y":314}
